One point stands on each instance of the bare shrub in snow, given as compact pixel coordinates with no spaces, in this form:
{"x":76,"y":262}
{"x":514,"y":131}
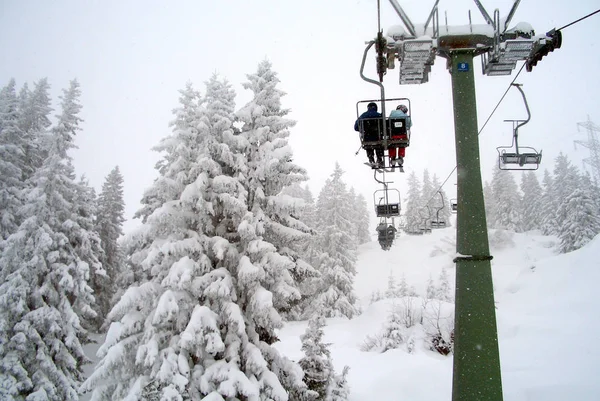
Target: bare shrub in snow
{"x":438,"y":323}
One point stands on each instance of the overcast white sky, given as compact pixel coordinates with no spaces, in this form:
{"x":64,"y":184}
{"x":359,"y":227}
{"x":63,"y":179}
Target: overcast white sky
{"x":131,"y":58}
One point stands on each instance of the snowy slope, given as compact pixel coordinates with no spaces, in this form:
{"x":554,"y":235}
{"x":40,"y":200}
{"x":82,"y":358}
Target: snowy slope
{"x":546,"y":307}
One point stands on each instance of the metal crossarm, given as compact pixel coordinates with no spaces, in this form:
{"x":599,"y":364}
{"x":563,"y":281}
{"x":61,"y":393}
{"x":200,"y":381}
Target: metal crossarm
{"x":416,"y":58}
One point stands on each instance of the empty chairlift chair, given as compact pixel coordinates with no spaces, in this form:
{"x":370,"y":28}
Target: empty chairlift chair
{"x":517,"y":157}
{"x":387,"y":202}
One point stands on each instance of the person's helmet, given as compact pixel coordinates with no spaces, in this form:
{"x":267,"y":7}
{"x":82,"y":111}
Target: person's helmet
{"x":372,"y":106}
{"x":402,"y":108}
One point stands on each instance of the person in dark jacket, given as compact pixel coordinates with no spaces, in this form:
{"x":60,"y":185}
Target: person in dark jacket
{"x":371,"y":113}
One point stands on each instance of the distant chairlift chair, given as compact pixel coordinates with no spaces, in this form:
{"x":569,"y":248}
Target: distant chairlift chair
{"x":453,"y":205}
{"x":516,"y":159}
{"x":438,"y":222}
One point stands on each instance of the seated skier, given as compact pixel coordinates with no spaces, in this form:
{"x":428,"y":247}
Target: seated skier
{"x":371,"y":113}
{"x":400,"y":112}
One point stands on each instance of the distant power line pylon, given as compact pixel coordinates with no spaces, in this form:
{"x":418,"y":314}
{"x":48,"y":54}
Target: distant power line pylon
{"x":593,"y":145}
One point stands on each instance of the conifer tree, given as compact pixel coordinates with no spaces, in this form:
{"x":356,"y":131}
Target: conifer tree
{"x":392,"y":336}
{"x":203,"y":325}
{"x":392,"y":290}
{"x":34,"y":123}
{"x":43,"y":279}
{"x":334,"y":295}
{"x":427,"y":189}
{"x":443,"y":292}
{"x":548,"y":206}
{"x":340,"y":390}
{"x":532,"y":199}
{"x":11,"y":160}
{"x":268,"y":170}
{"x":87,"y":245}
{"x":109,"y":223}
{"x":361,"y":217}
{"x":316,"y":362}
{"x":564,"y":183}
{"x":507,"y":202}
{"x":490,"y":204}
{"x":580,"y":221}
{"x":413,"y":205}
{"x":431,"y":290}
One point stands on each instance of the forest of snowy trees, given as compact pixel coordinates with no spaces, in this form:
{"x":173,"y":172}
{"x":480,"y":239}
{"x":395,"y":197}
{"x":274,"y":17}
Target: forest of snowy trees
{"x":59,"y":251}
{"x":565,"y":204}
{"x":425,"y":201}
{"x":232,"y":244}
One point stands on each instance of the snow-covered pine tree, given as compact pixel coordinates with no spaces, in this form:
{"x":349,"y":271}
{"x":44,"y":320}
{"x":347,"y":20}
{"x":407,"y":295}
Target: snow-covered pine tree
{"x":580,"y":221}
{"x":203,"y":324}
{"x":34,"y":123}
{"x":43,"y":281}
{"x":109,"y":224}
{"x":431,"y":290}
{"x":11,"y":160}
{"x":87,"y":245}
{"x":269,"y":169}
{"x":427,"y":189}
{"x":403,"y":289}
{"x":443,"y":292}
{"x":393,"y":329}
{"x":548,"y":206}
{"x":490,"y":204}
{"x":316,"y":362}
{"x":392,"y":287}
{"x":306,"y":249}
{"x":361,"y":218}
{"x":340,"y":390}
{"x":334,"y":289}
{"x":507,"y":202}
{"x":413,"y":204}
{"x":564,"y":183}
{"x":532,"y":199}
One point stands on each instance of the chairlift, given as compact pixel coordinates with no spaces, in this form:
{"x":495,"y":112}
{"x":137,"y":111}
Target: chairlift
{"x":425,"y":227}
{"x":374,"y":136}
{"x":453,"y":205}
{"x":388,"y":204}
{"x":386,"y":233}
{"x":513,"y":157}
{"x":377,"y":133}
{"x":438,"y":222}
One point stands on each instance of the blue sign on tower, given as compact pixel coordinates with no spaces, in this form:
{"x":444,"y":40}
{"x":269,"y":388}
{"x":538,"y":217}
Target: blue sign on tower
{"x":463,"y":67}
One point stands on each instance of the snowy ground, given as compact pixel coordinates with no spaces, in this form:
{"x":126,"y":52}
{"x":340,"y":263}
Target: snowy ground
{"x":546,"y":308}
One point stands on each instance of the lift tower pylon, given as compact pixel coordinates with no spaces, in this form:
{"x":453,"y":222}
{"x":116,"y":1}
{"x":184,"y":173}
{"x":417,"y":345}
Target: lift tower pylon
{"x":476,"y":369}
{"x":593,"y":145}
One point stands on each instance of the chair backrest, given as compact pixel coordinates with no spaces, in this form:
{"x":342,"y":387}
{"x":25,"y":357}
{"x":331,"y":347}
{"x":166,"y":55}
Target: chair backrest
{"x":397,"y":126}
{"x":371,"y":128}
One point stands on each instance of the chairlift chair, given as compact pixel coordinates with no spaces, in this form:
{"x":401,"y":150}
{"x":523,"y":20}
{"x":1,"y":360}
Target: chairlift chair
{"x":453,"y":205}
{"x":386,"y":233}
{"x":389,"y":202}
{"x":513,"y":157}
{"x":438,"y":222}
{"x":425,"y":227}
{"x":372,"y":135}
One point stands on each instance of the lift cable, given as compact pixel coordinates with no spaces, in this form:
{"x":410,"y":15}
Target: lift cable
{"x":480,"y":130}
{"x":580,"y":19}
